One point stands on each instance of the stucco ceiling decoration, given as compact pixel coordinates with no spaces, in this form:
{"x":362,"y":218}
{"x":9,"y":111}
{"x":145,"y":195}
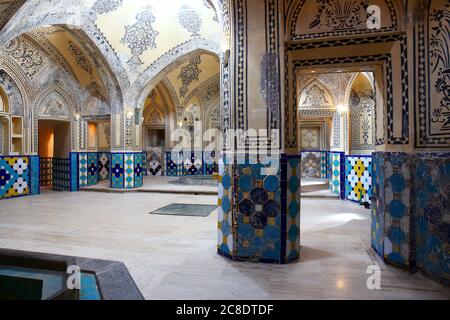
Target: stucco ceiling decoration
{"x":7,"y":9}
{"x":189,"y":74}
{"x":141,"y":35}
{"x":190,"y":20}
{"x":106,"y":6}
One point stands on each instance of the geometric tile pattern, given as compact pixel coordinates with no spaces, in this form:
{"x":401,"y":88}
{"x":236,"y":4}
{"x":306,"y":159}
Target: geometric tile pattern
{"x":225,"y":240}
{"x":34,"y":175}
{"x":138,"y":170}
{"x":209,"y":162}
{"x":88,"y":169}
{"x":290,"y":224}
{"x":259,"y":214}
{"x":378,"y":204}
{"x":173,"y":164}
{"x":358,"y":184}
{"x":155,"y":162}
{"x":193,"y":164}
{"x":117,"y":170}
{"x":83,"y":169}
{"x":74,"y":172}
{"x":103,"y":166}
{"x":337,"y":173}
{"x":314,"y":164}
{"x":397,"y":188}
{"x":14,"y":177}
{"x":46,"y":172}
{"x":92,"y":169}
{"x":259,"y":211}
{"x":410,"y":225}
{"x":61,"y":174}
{"x":432,"y":177}
{"x":127,"y":171}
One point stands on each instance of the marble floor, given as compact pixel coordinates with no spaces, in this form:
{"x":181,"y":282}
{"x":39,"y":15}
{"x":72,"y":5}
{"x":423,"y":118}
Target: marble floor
{"x":172,"y":257}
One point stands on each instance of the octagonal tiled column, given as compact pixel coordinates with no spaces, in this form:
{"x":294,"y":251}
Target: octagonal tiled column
{"x":259,"y":214}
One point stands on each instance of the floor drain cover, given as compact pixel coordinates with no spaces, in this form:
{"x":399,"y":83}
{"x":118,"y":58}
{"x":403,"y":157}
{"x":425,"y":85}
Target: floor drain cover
{"x":188,"y":210}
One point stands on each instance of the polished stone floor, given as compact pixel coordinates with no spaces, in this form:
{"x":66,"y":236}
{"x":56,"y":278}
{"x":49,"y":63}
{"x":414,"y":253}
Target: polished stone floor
{"x":173,"y":257}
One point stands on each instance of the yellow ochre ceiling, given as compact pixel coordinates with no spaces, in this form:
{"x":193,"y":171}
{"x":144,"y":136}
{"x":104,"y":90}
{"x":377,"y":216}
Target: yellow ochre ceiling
{"x":192,"y":74}
{"x":78,"y":59}
{"x":141,"y":31}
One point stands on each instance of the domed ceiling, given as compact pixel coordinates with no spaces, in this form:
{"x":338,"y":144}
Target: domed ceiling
{"x":140,"y":32}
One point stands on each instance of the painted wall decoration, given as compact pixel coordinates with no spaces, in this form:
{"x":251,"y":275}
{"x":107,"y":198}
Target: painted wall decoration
{"x":141,"y":35}
{"x":80,"y":58}
{"x":310,"y":138}
{"x":358,"y":185}
{"x":30,"y":60}
{"x":362,"y":115}
{"x":13,"y":94}
{"x":315,"y":97}
{"x":190,"y":20}
{"x":14,"y":177}
{"x":433,"y":65}
{"x":53,"y":106}
{"x":189,"y":74}
{"x":4,"y":148}
{"x":339,"y":17}
{"x":105,"y":6}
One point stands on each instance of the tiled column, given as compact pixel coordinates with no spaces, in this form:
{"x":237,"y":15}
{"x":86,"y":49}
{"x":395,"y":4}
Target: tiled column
{"x":410,"y":214}
{"x":34,"y":163}
{"x":259,"y":214}
{"x":127,"y":170}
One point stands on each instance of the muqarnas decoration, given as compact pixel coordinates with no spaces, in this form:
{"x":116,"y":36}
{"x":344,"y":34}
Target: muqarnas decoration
{"x":141,"y":35}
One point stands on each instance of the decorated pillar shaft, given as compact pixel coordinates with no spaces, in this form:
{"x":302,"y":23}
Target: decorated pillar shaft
{"x":259,"y":200}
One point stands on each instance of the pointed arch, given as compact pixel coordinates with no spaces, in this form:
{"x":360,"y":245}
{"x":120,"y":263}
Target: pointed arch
{"x":53,"y":103}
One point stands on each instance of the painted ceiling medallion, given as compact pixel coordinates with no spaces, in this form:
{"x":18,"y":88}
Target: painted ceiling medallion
{"x":80,"y":58}
{"x":189,"y":74}
{"x":190,"y":20}
{"x":141,"y":35}
{"x":105,"y":6}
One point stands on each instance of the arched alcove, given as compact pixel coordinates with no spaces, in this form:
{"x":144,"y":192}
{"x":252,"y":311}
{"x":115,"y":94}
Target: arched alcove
{"x":362,"y":116}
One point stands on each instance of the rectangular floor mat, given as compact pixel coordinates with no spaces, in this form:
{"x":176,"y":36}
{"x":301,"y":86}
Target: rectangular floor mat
{"x":188,"y":210}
